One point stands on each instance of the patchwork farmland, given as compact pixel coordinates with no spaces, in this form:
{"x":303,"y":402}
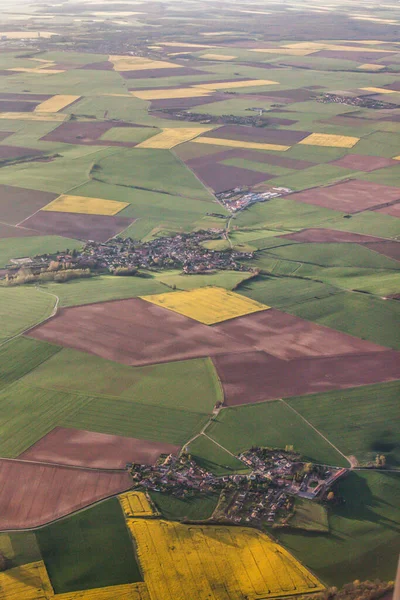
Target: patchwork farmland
{"x":199,"y":292}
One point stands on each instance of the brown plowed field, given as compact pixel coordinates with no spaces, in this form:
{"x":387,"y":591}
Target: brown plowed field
{"x":95,"y":450}
{"x":105,"y":65}
{"x":17,"y":96}
{"x":393,"y":86}
{"x":5,"y":134}
{"x":134,"y":332}
{"x":358,"y":162}
{"x":11,"y":152}
{"x":324,"y":236}
{"x":33,"y":494}
{"x":391,"y":249}
{"x":19,"y":203}
{"x":258,"y":135}
{"x":185,"y":103}
{"x":79,"y":226}
{"x":9,"y":231}
{"x":288,"y":337}
{"x":224,"y":177}
{"x":252,"y":155}
{"x":351,"y":196}
{"x":295,"y":95}
{"x":12,"y":106}
{"x":363,"y":56}
{"x":257,"y":376}
{"x":87,"y":133}
{"x":393,"y":210}
{"x":156,"y":73}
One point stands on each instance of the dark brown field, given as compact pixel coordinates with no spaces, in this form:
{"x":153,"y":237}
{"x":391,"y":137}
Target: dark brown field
{"x":9,"y":231}
{"x":134,"y":332}
{"x":158,"y":73}
{"x":12,"y":106}
{"x":19,"y":203}
{"x":87,"y":133}
{"x":351,"y":196}
{"x":293,"y":95}
{"x":32,"y":494}
{"x":105,"y":65}
{"x":99,"y":228}
{"x":258,"y":135}
{"x":16,"y":96}
{"x":287,"y":337}
{"x":258,"y":376}
{"x":95,"y":450}
{"x":358,"y":162}
{"x":325,"y":236}
{"x":224,"y":177}
{"x":391,"y":249}
{"x":362,"y":57}
{"x":11,"y":152}
{"x":184,"y":103}
{"x":394,"y":86}
{"x":393,"y":210}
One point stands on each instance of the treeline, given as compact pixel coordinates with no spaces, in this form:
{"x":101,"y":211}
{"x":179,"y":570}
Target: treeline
{"x":58,"y":274}
{"x":358,"y":590}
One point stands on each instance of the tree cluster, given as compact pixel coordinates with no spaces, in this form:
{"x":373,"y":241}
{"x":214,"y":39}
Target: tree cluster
{"x":357,"y":590}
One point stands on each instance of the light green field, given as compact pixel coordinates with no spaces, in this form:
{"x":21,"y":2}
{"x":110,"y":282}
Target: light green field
{"x":25,"y":247}
{"x":190,"y":385}
{"x":271,"y":424}
{"x":196,"y":508}
{"x":361,"y":530}
{"x":130,"y":134}
{"x":309,"y":516}
{"x":361,"y":315}
{"x":22,"y":308}
{"x":22,"y":355}
{"x":312,"y":177}
{"x":361,"y":421}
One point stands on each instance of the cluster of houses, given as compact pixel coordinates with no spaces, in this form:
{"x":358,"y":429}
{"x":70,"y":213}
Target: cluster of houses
{"x":365,"y":101}
{"x":263,"y":492}
{"x":240,"y":198}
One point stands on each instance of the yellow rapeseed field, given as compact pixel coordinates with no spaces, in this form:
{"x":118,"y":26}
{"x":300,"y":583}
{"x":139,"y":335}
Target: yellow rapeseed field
{"x":335,"y":141}
{"x":207,"y":305}
{"x":224,"y":85}
{"x":56,"y":103}
{"x":21,"y":116}
{"x":129,"y":591}
{"x":378,"y":90}
{"x":396,"y":158}
{"x":21,"y":35}
{"x":218,"y":56}
{"x":171,"y":137}
{"x":138,"y":63}
{"x":37,"y":70}
{"x":371,"y":67}
{"x":84,"y":205}
{"x":158,"y":94}
{"x":182,"y":562}
{"x":135,"y":504}
{"x":28,"y":582}
{"x":316,"y":46}
{"x":239,"y":144}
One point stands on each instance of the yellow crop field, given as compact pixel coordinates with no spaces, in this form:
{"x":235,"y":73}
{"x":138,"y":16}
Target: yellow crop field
{"x":316,"y":46}
{"x":84,"y":205}
{"x":378,"y":90}
{"x":28,"y":582}
{"x":335,"y":141}
{"x":218,"y":56}
{"x":37,"y":70}
{"x":138,"y":63}
{"x":25,"y":35}
{"x":236,"y":84}
{"x":56,"y":103}
{"x":207,"y":305}
{"x":371,"y":67}
{"x":135,"y":504}
{"x":129,"y":591}
{"x":239,"y":144}
{"x":171,"y":137}
{"x":158,"y":94}
{"x":223,"y":563}
{"x":21,"y":116}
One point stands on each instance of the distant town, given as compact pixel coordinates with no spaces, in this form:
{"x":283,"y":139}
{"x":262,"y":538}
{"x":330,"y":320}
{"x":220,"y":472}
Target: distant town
{"x":263,"y":493}
{"x":366,"y":101}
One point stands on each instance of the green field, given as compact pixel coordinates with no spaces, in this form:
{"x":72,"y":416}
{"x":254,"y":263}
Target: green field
{"x":33,"y":246}
{"x":19,"y":548}
{"x":89,"y":550}
{"x":22,"y":355}
{"x":270,"y":424}
{"x":357,"y":314}
{"x":309,"y":516}
{"x":21,"y":308}
{"x":190,"y":385}
{"x":363,"y":542}
{"x":362,"y":421}
{"x":213,"y":458}
{"x":195,"y":508}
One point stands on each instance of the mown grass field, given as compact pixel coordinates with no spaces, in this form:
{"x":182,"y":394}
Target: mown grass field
{"x":213,"y":458}
{"x":195,"y":508}
{"x":309,"y":516}
{"x":33,"y":246}
{"x":271,"y":424}
{"x":88,"y":550}
{"x":363,"y":542}
{"x":361,"y":421}
{"x":22,"y":355}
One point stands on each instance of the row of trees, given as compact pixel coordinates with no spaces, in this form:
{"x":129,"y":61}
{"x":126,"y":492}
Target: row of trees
{"x":25,"y":275}
{"x":358,"y":590}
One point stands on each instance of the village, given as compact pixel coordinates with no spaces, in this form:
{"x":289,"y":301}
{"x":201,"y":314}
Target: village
{"x":366,"y":101}
{"x":125,"y":256}
{"x":263,"y":493}
{"x":240,"y":198}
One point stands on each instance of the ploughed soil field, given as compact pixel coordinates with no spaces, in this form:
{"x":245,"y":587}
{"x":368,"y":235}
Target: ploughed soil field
{"x":87,"y":133}
{"x":13,"y":152}
{"x":34,"y":494}
{"x":351,"y":196}
{"x":19,"y":203}
{"x":9,"y":231}
{"x":258,"y":376}
{"x":333,"y":236}
{"x":252,"y":134}
{"x":79,"y":226}
{"x":95,"y":450}
{"x":223,"y":177}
